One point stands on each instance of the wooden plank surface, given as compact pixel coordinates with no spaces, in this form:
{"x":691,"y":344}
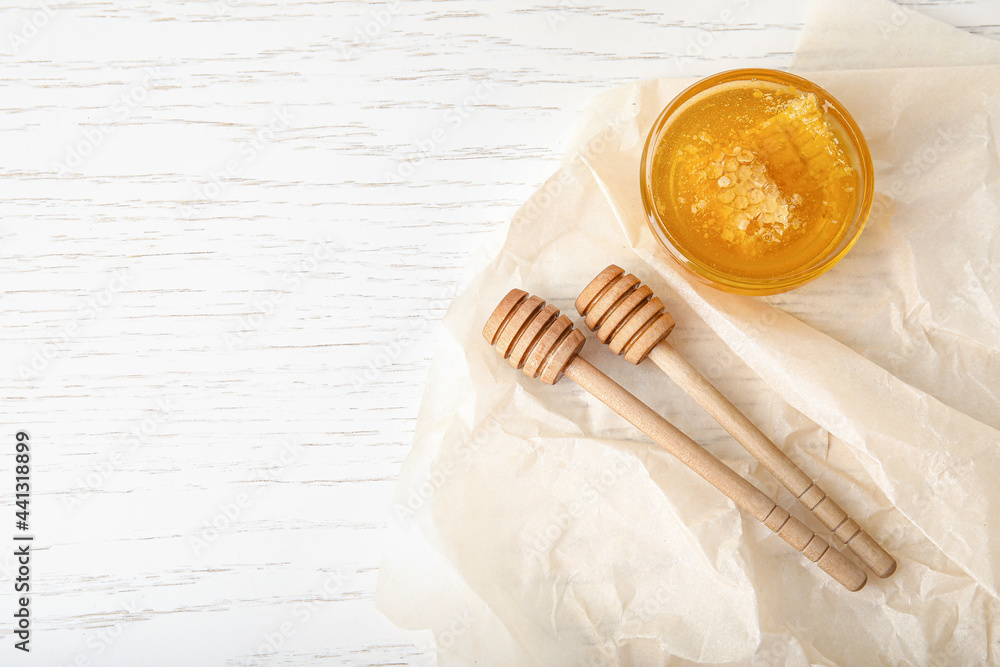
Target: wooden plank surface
{"x":228,"y":228}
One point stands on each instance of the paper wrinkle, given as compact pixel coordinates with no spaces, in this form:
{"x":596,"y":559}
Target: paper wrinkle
{"x":572,"y":541}
{"x":869,"y":34}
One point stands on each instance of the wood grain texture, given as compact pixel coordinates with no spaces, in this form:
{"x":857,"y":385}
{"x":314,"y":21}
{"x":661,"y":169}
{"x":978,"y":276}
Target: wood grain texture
{"x":228,"y":229}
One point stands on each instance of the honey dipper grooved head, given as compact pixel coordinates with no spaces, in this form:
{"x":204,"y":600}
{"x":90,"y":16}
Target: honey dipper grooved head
{"x":533,"y":336}
{"x":624,"y":313}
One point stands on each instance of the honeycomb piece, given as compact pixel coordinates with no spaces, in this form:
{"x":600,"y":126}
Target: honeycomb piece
{"x":799,"y":144}
{"x":748,"y":202}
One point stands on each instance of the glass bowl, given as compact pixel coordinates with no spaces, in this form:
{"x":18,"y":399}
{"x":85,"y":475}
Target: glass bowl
{"x":665,"y":225}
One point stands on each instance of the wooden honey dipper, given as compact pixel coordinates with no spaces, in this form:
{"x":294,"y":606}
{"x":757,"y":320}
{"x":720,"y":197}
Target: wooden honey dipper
{"x":535,"y":338}
{"x":626,"y":316}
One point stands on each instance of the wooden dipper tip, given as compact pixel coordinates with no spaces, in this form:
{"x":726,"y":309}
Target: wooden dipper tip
{"x":533,"y":336}
{"x":624,"y":313}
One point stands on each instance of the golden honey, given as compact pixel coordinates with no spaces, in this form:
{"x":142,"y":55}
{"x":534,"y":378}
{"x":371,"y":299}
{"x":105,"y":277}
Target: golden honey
{"x":756,"y":183}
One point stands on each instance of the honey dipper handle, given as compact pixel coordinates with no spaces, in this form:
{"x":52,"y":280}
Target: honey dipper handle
{"x":771,"y":457}
{"x":743,"y":493}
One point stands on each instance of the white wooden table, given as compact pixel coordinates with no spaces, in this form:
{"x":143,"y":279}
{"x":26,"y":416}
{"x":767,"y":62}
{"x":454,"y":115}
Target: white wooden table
{"x":226,"y":226}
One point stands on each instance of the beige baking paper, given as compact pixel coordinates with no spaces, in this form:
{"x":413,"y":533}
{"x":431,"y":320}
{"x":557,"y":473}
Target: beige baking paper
{"x":537,"y":527}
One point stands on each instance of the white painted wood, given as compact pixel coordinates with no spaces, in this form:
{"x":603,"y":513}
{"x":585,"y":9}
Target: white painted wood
{"x":226,"y":228}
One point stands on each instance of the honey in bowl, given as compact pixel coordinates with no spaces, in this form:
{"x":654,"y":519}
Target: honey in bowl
{"x":758,"y":181}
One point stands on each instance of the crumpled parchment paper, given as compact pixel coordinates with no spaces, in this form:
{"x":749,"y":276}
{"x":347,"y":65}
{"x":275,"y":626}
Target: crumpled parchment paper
{"x":535,"y":527}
